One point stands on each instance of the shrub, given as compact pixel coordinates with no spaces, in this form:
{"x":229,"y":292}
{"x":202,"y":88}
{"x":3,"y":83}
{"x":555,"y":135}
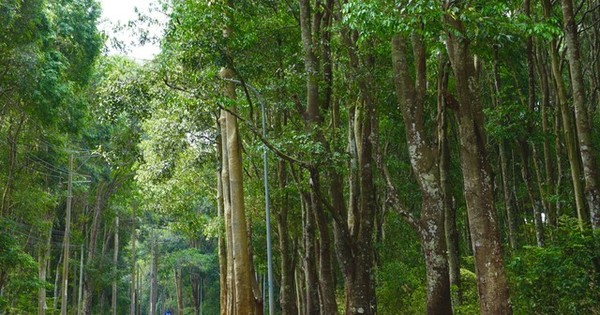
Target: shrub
{"x":560,"y":278}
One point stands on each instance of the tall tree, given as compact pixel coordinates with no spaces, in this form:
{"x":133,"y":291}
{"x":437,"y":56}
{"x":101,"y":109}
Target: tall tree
{"x":479,"y":195}
{"x":582,"y":122}
{"x":425,"y":158}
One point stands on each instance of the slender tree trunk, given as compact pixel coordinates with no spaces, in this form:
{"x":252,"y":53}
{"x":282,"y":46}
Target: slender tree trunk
{"x":55,"y":296}
{"x":545,"y":108}
{"x":526,"y":176}
{"x":300,"y":290}
{"x":491,"y":277}
{"x":101,"y":194}
{"x":584,"y":135}
{"x":531,"y":100}
{"x":43,"y":270}
{"x":287,"y":295}
{"x":115,"y":266}
{"x":508,"y":196}
{"x":196,"y":284}
{"x":66,"y":250}
{"x":452,"y":242}
{"x":223,"y":262}
{"x":325,"y":268}
{"x":80,"y":286}
{"x":179,"y":289}
{"x":315,"y":39}
{"x":311,"y":297}
{"x":567,"y":124}
{"x":153,"y":277}
{"x":132,"y":283}
{"x":506,"y":190}
{"x":354,"y":227}
{"x":12,"y":139}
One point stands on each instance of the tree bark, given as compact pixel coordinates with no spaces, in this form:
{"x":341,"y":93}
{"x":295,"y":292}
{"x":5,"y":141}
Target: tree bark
{"x":586,"y":147}
{"x":287,"y":295}
{"x":425,"y":165}
{"x":491,"y":277}
{"x":452,"y":241}
{"x":315,"y":39}
{"x":545,"y":108}
{"x":222,"y":242}
{"x":567,"y":124}
{"x":115,"y":268}
{"x":66,"y":250}
{"x":44,"y":255}
{"x":179,"y":289}
{"x":242,"y":262}
{"x":153,"y":277}
{"x":132,"y":291}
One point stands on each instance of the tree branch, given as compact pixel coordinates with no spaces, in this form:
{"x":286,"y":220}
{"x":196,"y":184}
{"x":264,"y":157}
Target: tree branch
{"x":266,"y":142}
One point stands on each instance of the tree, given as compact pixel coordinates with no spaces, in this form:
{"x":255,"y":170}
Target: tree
{"x":491,"y":277}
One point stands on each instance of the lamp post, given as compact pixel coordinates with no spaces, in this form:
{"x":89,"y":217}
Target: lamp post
{"x":267,"y":199}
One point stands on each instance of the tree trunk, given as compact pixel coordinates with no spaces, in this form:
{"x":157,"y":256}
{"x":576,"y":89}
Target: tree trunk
{"x":314,"y":40}
{"x":586,"y":147}
{"x":229,"y":306}
{"x":545,"y":108}
{"x":66,"y":248}
{"x":222,"y":242}
{"x":531,"y":100}
{"x":287,"y":295}
{"x":311,"y":297}
{"x":508,"y":196}
{"x":196,"y":283}
{"x":44,"y":255}
{"x":179,"y":289}
{"x":80,"y":286}
{"x":325,"y":268}
{"x":101,"y":193}
{"x":452,"y":242}
{"x":242,"y":262}
{"x":533,"y":200}
{"x":502,"y":145}
{"x":55,"y":296}
{"x":491,"y":277}
{"x":153,"y":277}
{"x":115,"y":266}
{"x":132,"y":291}
{"x":424,"y":161}
{"x":567,"y":124}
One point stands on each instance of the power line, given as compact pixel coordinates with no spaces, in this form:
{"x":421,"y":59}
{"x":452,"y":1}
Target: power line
{"x":30,"y":236}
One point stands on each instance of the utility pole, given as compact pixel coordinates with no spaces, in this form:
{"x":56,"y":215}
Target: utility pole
{"x":65,"y":271}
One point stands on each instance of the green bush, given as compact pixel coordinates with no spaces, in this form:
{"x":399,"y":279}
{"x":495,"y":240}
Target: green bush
{"x":19,"y":270}
{"x":559,"y":278}
{"x":470,"y":301}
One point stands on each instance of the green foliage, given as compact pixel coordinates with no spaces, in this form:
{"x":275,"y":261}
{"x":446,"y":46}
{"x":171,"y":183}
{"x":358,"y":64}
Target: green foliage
{"x":559,"y":278}
{"x":18,"y":275}
{"x":468,"y":286}
{"x":401,"y":275}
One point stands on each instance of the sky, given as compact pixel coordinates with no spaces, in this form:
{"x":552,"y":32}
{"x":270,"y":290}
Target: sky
{"x":120,"y":12}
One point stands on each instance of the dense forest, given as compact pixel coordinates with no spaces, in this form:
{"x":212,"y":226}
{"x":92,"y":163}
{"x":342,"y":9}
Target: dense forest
{"x":302,"y":157}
